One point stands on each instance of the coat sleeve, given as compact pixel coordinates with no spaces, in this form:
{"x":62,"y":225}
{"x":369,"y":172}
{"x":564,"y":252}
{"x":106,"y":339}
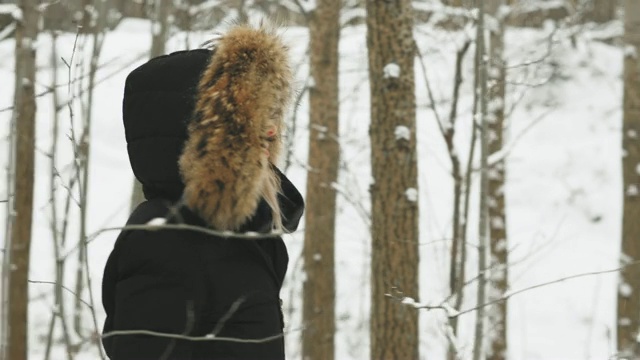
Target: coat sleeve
{"x":144,"y":289}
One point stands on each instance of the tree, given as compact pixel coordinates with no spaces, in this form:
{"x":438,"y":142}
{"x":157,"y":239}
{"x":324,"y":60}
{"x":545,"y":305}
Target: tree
{"x":602,"y":11}
{"x":394,"y":193}
{"x":18,"y":297}
{"x":628,"y":319}
{"x":324,"y":156}
{"x":159,"y":29}
{"x":498,"y":263}
{"x":483,"y":221}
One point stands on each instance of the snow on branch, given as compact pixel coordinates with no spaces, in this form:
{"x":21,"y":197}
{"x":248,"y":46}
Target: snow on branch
{"x":452,"y":312}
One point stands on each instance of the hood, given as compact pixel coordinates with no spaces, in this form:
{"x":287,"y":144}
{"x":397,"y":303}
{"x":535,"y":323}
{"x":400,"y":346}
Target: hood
{"x":185,"y":144}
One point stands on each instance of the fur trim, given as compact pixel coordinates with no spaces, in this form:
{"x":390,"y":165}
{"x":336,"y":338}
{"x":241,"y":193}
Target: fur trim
{"x":243,"y":93}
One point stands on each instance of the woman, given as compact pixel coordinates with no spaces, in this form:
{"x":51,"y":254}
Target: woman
{"x":203,"y":131}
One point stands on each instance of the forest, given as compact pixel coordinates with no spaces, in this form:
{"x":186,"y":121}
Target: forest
{"x":470,"y":171}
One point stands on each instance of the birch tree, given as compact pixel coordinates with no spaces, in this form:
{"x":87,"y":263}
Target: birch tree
{"x":628,"y":317}
{"x":25,"y":105}
{"x":324,"y":154}
{"x":394,"y":193}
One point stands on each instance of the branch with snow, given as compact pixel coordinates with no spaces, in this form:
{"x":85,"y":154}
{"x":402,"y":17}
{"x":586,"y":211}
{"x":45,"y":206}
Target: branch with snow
{"x":452,"y":312}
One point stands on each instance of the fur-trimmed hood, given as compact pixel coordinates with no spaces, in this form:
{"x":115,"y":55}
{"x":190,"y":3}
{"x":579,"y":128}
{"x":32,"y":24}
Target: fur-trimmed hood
{"x":205,"y":127}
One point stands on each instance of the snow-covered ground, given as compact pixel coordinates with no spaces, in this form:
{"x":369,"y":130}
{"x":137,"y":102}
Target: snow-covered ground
{"x":563,"y":191}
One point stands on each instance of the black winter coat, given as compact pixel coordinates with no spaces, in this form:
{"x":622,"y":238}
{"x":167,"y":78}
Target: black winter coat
{"x":188,"y":282}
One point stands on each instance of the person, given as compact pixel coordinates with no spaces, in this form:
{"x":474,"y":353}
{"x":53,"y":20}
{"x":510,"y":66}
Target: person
{"x":203,"y":130}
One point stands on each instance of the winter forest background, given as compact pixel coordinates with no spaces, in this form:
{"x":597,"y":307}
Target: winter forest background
{"x":511,"y":231}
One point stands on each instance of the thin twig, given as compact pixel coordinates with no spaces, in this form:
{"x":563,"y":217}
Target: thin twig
{"x":429,"y":90}
{"x":455,"y":313}
{"x":209,"y":337}
{"x":64,"y":287}
{"x":232,"y":310}
{"x":186,"y":227}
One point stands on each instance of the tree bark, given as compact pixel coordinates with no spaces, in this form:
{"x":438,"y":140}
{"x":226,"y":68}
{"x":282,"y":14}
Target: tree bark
{"x":394,"y":193}
{"x":483,"y":221}
{"x":628,"y":320}
{"x":324,"y":154}
{"x":602,"y":11}
{"x":498,"y":264}
{"x":26,"y":35}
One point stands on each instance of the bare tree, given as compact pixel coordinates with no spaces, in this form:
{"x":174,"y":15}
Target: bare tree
{"x":483,"y":221}
{"x":324,"y":158}
{"x":18,"y":297}
{"x":448,"y":131}
{"x":394,"y":193}
{"x":628,"y":319}
{"x":159,"y":29}
{"x":498,"y":263}
{"x":97,"y":20}
{"x":58,"y":312}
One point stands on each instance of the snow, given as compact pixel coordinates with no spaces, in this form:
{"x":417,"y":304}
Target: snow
{"x":7,"y":30}
{"x":157,"y":222}
{"x":501,"y":245}
{"x":27,"y":42}
{"x":412,"y":194}
{"x":156,"y":28}
{"x":625,"y":290}
{"x":624,"y":322}
{"x":564,"y":173}
{"x":625,"y":259}
{"x":391,"y":70}
{"x":16,"y":13}
{"x":631,"y":51}
{"x":409,"y":301}
{"x":451,"y":312}
{"x":311,"y":82}
{"x":8,"y":8}
{"x":497,"y":223}
{"x":632,"y":190}
{"x":402,"y":133}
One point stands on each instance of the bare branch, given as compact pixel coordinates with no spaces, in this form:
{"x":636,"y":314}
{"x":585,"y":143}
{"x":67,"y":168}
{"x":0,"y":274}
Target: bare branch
{"x":186,"y":227}
{"x":209,"y":337}
{"x":64,"y":287}
{"x":451,"y":312}
{"x":232,"y":310}
{"x":432,"y":99}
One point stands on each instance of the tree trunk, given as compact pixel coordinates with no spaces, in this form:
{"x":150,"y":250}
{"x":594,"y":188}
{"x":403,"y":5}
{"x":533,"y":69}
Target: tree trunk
{"x":602,"y":11}
{"x":483,"y":221}
{"x":324,"y":154}
{"x":26,"y":35}
{"x":159,"y":30}
{"x":498,"y":265}
{"x":394,"y":193}
{"x":628,"y":320}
